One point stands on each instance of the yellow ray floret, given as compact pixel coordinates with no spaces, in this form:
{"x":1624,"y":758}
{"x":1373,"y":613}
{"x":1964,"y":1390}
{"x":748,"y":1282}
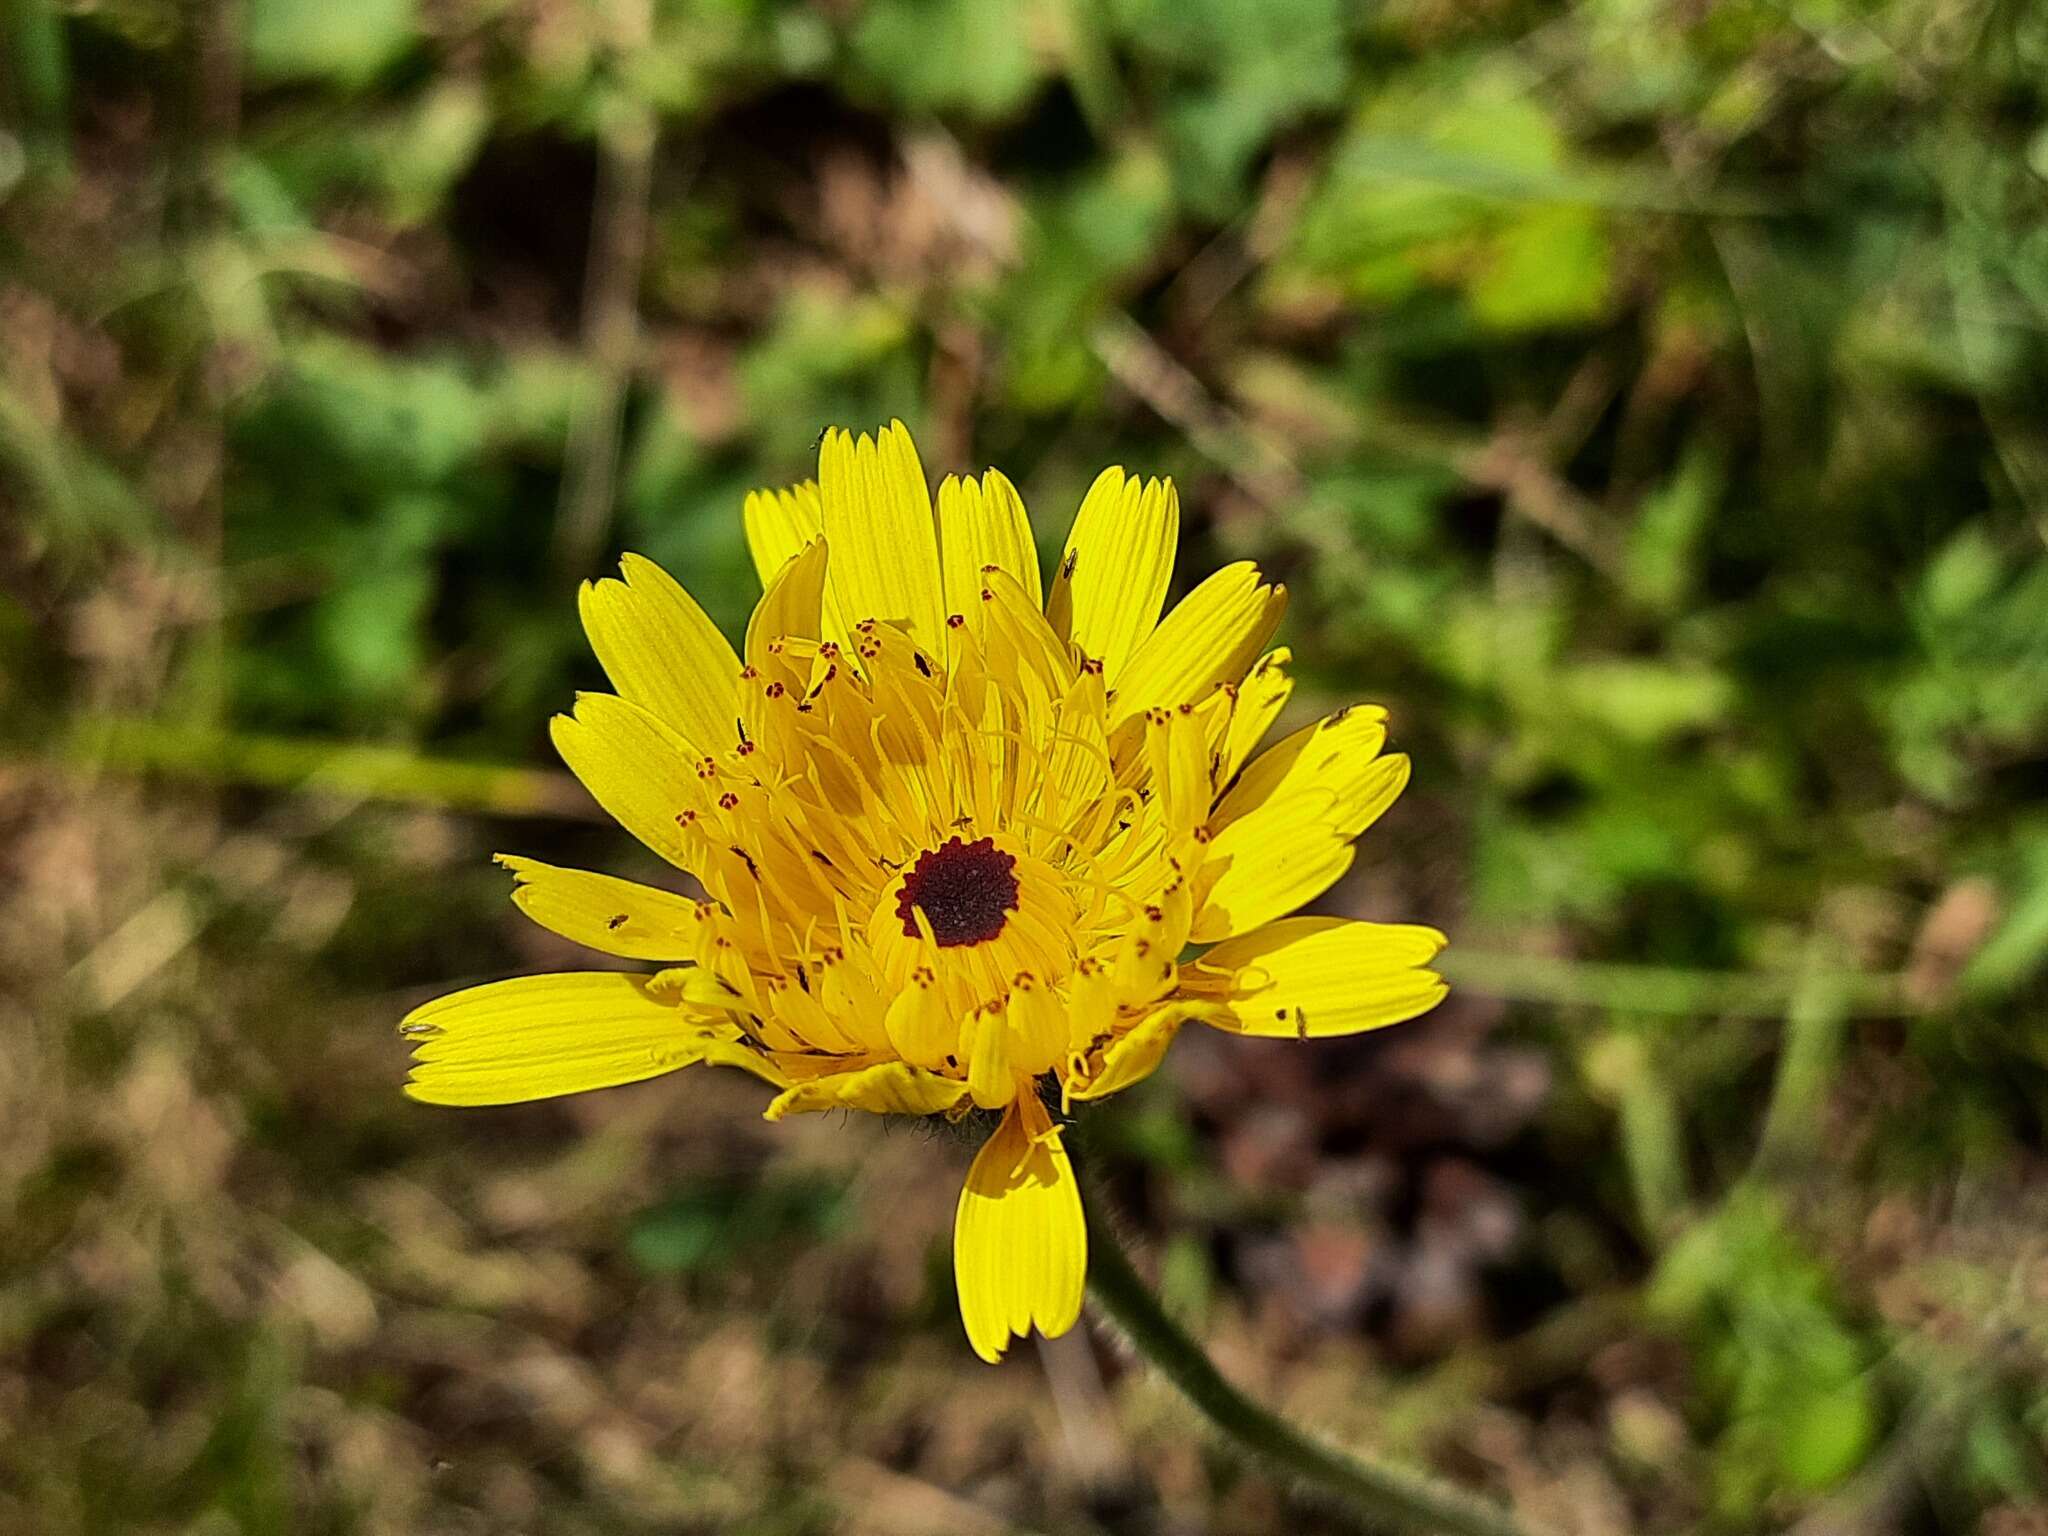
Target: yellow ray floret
{"x":1020,"y":1248}
{"x":538,"y":1037}
{"x":1117,"y":566}
{"x":969,"y":844}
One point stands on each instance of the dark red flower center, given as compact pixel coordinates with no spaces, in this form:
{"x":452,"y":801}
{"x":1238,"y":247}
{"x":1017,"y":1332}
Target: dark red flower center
{"x":963,"y":889}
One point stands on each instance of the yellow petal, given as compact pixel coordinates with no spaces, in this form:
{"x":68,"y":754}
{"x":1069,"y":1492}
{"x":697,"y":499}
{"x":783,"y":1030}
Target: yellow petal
{"x":878,"y":521}
{"x":779,"y":524}
{"x":990,"y":1076}
{"x":1176,"y":748}
{"x":1257,"y":871}
{"x":639,"y":770}
{"x":893,"y":1088}
{"x":1134,"y":1056}
{"x":1023,"y":651}
{"x":1280,"y":836}
{"x":1020,"y":1248}
{"x":1118,"y":563}
{"x":1038,"y":1026}
{"x":793,"y":604}
{"x":536,"y":1037}
{"x":1315,"y":752}
{"x":661,"y":652}
{"x":617,"y":917}
{"x":1312,"y":977}
{"x":982,"y":525}
{"x":1259,"y":701}
{"x":920,"y":1028}
{"x":1210,"y":637}
{"x":1292,"y":841}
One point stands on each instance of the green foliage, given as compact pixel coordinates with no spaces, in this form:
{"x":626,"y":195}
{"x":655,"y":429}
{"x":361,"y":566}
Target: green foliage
{"x":1457,"y":176}
{"x":1789,"y":1376}
{"x":342,"y":45}
{"x":721,"y":1224}
{"x":973,"y":56}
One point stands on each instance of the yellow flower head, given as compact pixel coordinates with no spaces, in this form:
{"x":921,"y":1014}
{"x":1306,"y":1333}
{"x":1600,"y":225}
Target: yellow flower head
{"x":965,"y":843}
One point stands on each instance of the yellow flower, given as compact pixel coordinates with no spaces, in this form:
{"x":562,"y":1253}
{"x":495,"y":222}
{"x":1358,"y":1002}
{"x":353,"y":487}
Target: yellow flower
{"x":962,"y":846}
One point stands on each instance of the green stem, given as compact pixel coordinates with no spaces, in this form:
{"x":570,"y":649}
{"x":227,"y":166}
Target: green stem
{"x":1379,"y":1495}
{"x":1663,"y":989}
{"x":1794,"y":1123}
{"x":359,"y":770}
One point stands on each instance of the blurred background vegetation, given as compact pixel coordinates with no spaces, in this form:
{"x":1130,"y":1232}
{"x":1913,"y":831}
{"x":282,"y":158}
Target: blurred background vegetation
{"x":1643,"y":398}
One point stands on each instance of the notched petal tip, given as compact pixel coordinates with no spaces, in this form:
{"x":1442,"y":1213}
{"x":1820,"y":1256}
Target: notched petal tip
{"x":1020,"y":1247}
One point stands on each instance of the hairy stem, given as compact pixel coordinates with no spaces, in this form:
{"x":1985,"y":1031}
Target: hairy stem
{"x":1380,"y":1496}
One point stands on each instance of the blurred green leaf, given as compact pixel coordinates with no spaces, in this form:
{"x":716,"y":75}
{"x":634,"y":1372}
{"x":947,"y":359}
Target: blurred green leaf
{"x":1646,"y":701}
{"x":1793,"y":1376}
{"x":974,"y":56}
{"x":1461,"y":177}
{"x":344,"y":44}
{"x":725,"y":1223}
{"x":1663,"y":546}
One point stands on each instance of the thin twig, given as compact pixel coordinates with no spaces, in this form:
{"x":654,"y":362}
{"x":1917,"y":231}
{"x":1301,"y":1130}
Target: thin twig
{"x":611,"y":308}
{"x":1507,"y":464}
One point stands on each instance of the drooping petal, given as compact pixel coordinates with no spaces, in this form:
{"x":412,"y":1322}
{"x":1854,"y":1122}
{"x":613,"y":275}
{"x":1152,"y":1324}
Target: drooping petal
{"x":605,"y":913}
{"x":1312,"y":977}
{"x":878,"y":522}
{"x":983,"y":524}
{"x":537,"y":1037}
{"x":1020,"y":1248}
{"x":1116,"y":569}
{"x":662,"y":652}
{"x":639,"y":770}
{"x":893,"y":1088}
{"x":1210,"y":637}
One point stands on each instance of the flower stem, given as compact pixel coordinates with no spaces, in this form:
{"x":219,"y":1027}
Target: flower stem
{"x":1381,"y":1496}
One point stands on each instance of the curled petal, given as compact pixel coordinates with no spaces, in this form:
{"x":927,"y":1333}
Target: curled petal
{"x":893,"y":1088}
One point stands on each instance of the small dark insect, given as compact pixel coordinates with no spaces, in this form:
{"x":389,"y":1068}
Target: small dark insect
{"x":616,"y":923}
